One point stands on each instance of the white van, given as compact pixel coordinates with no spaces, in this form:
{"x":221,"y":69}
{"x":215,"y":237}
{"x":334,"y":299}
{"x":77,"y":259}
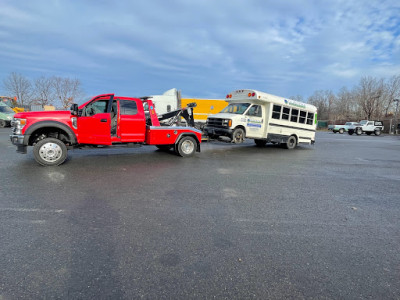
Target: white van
{"x":265,"y":118}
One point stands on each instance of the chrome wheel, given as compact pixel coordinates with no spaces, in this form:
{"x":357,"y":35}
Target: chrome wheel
{"x":50,"y":152}
{"x":187,"y":147}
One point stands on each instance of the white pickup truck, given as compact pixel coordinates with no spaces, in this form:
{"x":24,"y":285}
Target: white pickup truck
{"x":365,"y":126}
{"x":341,"y":128}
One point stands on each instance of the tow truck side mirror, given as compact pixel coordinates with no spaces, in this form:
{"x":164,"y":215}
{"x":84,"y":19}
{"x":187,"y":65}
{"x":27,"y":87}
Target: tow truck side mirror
{"x":74,"y":109}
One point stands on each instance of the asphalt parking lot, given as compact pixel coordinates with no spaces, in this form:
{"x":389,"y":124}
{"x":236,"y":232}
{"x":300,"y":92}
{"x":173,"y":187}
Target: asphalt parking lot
{"x":233,"y":222}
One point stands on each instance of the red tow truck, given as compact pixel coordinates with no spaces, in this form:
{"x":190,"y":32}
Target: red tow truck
{"x":104,"y":120}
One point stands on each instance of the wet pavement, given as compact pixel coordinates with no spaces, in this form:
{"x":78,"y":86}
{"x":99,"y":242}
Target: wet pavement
{"x":233,"y":222}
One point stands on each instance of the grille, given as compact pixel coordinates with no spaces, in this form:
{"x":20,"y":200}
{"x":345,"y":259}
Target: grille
{"x":213,"y":122}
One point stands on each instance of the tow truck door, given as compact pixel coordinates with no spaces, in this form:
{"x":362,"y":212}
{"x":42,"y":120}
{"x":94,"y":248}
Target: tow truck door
{"x":94,"y":126}
{"x":132,"y":125}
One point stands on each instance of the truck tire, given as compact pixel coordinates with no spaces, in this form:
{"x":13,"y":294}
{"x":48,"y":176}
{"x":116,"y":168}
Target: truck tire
{"x":2,"y":123}
{"x":50,"y":152}
{"x":341,"y":130}
{"x":377,"y":132}
{"x":359,"y":131}
{"x":186,"y":146}
{"x":260,"y":143}
{"x":238,"y":136}
{"x":291,"y":143}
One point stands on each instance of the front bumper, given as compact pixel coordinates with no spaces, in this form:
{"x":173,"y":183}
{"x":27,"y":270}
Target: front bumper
{"x":20,"y":141}
{"x":215,"y":131}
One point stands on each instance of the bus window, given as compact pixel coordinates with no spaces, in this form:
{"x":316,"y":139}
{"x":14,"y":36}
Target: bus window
{"x":303,"y":116}
{"x":294,"y":116}
{"x":276,"y":112}
{"x":310,"y":118}
{"x":285,"y":113}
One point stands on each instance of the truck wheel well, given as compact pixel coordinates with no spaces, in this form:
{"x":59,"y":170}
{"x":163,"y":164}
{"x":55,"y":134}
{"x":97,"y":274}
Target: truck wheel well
{"x":49,"y":132}
{"x":242,"y":127}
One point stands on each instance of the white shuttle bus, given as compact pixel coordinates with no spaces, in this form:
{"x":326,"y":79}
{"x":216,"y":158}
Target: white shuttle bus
{"x":265,"y":118}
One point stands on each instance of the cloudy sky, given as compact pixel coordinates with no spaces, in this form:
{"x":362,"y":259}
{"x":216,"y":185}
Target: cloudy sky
{"x":205,"y":48}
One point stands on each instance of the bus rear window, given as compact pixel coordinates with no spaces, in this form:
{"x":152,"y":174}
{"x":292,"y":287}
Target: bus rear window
{"x":310,"y":118}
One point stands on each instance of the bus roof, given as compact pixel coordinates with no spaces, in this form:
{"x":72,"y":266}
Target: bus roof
{"x":261,"y":97}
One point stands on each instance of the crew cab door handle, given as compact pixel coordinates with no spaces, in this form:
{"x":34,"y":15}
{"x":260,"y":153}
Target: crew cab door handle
{"x":103,"y":120}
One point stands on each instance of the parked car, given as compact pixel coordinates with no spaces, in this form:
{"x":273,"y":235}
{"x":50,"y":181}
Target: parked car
{"x":366,"y":126}
{"x":341,"y":128}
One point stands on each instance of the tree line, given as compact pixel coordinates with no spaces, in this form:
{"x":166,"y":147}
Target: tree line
{"x":54,"y":90}
{"x":372,"y":98}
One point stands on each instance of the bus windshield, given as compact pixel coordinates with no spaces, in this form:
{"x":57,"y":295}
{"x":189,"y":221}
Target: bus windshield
{"x":236,"y":108}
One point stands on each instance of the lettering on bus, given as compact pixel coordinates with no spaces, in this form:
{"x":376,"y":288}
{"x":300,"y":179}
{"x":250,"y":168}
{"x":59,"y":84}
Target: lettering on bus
{"x":296,"y":104}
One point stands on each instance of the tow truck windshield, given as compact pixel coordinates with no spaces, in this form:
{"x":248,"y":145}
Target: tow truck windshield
{"x":236,"y":108}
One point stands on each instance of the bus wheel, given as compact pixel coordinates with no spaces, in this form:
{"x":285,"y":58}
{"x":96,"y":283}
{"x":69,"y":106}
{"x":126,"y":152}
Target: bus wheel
{"x":291,"y":143}
{"x":260,"y":143}
{"x":238,"y":136}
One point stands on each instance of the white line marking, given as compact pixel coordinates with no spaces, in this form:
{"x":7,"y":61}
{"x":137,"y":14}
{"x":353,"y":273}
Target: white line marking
{"x":32,"y":210}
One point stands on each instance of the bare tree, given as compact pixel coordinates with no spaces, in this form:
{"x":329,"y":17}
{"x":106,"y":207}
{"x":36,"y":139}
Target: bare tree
{"x":66,"y":90}
{"x":391,"y":91}
{"x":44,"y":93}
{"x":369,"y":91}
{"x":19,"y":86}
{"x":346,"y":107}
{"x":324,"y":101}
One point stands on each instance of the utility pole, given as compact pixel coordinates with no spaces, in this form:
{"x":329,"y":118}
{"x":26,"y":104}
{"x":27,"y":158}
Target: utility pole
{"x":395,"y":116}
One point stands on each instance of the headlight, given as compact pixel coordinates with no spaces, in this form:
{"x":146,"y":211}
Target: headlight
{"x":18,"y":125}
{"x":227,"y":122}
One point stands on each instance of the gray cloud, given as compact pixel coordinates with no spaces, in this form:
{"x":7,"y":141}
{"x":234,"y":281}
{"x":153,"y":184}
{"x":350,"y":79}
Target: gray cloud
{"x":202,"y":47}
